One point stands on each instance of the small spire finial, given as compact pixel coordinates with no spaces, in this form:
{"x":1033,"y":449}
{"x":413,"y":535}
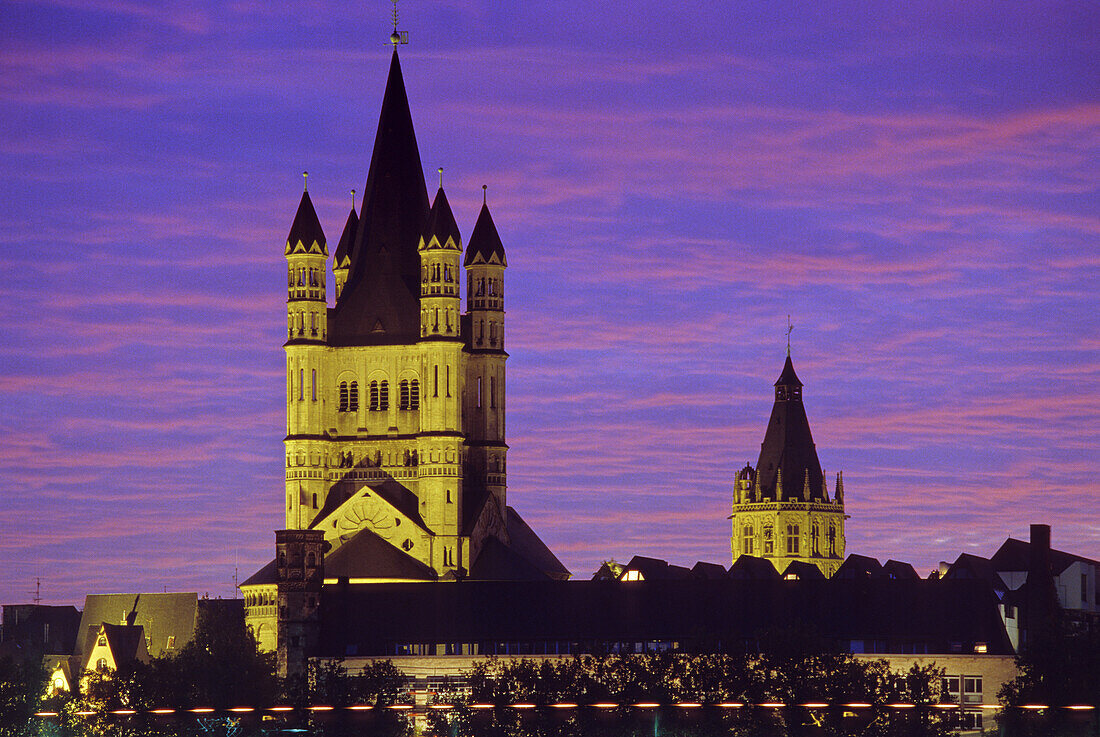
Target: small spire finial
{"x":305,"y":181}
{"x":353,"y":199}
{"x":397,"y":37}
{"x":441,"y":177}
{"x":790,"y":327}
{"x":484,"y":194}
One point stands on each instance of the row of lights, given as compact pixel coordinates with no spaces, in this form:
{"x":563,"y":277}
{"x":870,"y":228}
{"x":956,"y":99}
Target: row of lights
{"x":599,"y":705}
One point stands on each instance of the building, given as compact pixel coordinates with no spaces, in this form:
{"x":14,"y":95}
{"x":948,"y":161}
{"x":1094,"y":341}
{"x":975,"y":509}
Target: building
{"x":396,"y":395}
{"x":781,"y":508}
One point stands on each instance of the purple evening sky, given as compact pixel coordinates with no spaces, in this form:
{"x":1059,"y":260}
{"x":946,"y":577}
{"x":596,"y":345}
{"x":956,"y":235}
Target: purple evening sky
{"x":916,"y":184}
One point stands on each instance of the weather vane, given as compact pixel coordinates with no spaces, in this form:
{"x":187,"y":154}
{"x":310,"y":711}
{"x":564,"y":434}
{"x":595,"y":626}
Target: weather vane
{"x":790,"y":327}
{"x":397,"y":37}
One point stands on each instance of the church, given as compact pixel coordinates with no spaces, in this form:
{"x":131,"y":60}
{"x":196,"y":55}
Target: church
{"x":396,"y":460}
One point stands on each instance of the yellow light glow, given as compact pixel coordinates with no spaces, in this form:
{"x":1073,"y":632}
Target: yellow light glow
{"x":731,"y":705}
{"x":441,"y":706}
{"x":320,"y":708}
{"x":400,"y":706}
{"x":281,"y":708}
{"x":564,"y":706}
{"x":1035,"y":706}
{"x":242,"y":709}
{"x":202,"y":710}
{"x":360,"y":707}
{"x":604,"y":705}
{"x":901,"y":706}
{"x":858,"y":705}
{"x":816,"y":705}
{"x":124,"y":712}
{"x":523,"y":706}
{"x":45,"y":713}
{"x":1081,"y":707}
{"x":688,"y":705}
{"x":163,"y":711}
{"x":771,"y":705}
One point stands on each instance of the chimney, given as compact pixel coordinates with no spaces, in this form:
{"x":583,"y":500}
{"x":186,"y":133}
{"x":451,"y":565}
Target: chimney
{"x":1042,"y":597}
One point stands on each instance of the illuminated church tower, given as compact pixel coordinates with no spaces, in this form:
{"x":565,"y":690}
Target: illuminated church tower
{"x":395,"y":446}
{"x":781,"y":508}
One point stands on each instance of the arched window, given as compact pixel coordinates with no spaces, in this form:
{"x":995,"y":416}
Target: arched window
{"x":832,"y":540}
{"x":769,"y":541}
{"x":301,"y":383}
{"x":353,"y":396}
{"x":315,"y":501}
{"x":492,"y":392}
{"x":403,"y":390}
{"x":282,"y":560}
{"x":101,"y":664}
{"x":374,"y":405}
{"x":746,"y":545}
{"x":290,"y":277}
{"x":384,"y":395}
{"x":343,"y":396}
{"x":414,"y":394}
{"x":815,"y":535}
{"x":311,"y":560}
{"x":313,"y":384}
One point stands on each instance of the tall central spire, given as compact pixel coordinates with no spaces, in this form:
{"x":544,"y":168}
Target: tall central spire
{"x":379,"y":302}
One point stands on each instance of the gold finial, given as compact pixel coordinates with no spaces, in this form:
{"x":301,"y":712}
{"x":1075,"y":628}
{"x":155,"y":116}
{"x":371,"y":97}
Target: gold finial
{"x":790,"y":327}
{"x":441,"y":177}
{"x":397,"y":37}
{"x":305,"y":181}
{"x":484,"y":194}
{"x":353,"y":199}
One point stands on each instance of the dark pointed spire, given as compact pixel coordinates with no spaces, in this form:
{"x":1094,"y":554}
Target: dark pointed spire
{"x":485,"y":241}
{"x":788,"y":450}
{"x":342,"y":257}
{"x":384,"y":273}
{"x":306,"y":229}
{"x":441,"y":221}
{"x":788,"y":378}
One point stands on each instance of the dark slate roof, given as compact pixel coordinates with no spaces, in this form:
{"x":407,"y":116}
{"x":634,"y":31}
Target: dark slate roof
{"x":701,"y":615}
{"x":161,"y":615}
{"x":788,"y":377}
{"x":380,"y":302}
{"x":753,"y":567}
{"x":306,"y":229}
{"x":485,"y":241}
{"x":347,"y":241}
{"x":968,"y":566}
{"x":262,"y":576}
{"x":125,"y":641}
{"x":1015,"y":555}
{"x":803,"y":571}
{"x":366,"y":555}
{"x":897,"y":569}
{"x":523,"y":540}
{"x":655,"y":569}
{"x":789,"y":447}
{"x":441,"y":222}
{"x":859,"y":566}
{"x":708,"y":571}
{"x":498,"y":562}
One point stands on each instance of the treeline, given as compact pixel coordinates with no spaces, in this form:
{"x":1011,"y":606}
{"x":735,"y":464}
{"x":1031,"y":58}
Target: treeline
{"x":709,"y":680}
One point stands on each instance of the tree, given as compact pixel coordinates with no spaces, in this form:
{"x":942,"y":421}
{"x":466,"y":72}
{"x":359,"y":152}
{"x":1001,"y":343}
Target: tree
{"x":22,"y":685}
{"x":1059,"y":667}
